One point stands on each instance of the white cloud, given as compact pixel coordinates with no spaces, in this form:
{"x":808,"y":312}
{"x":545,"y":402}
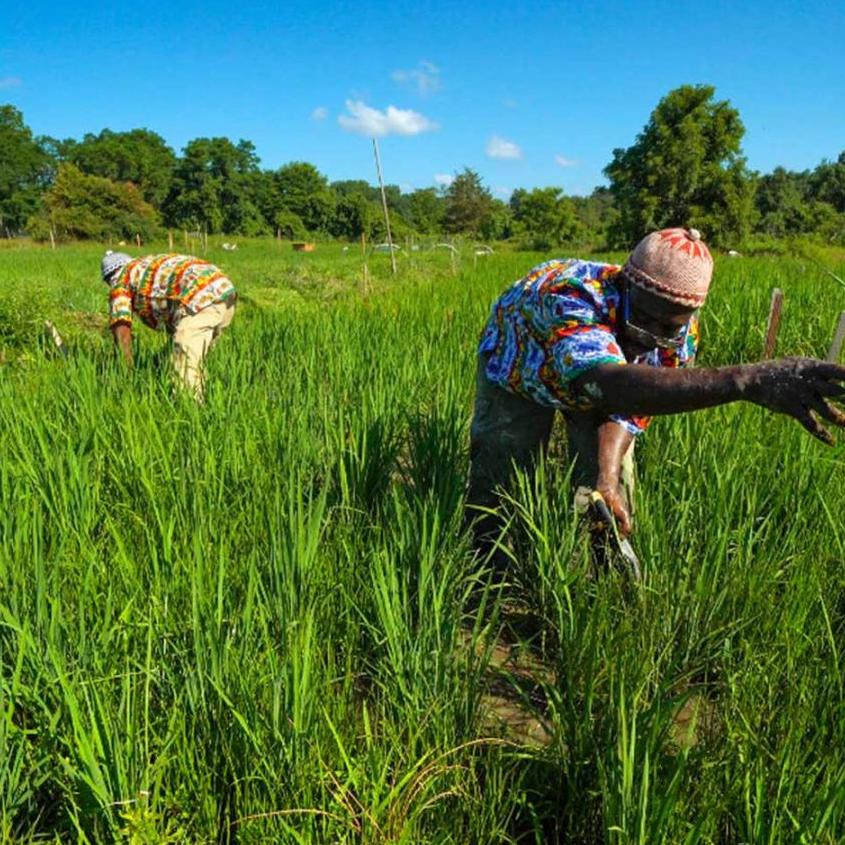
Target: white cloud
{"x":10,"y":82}
{"x":425,"y":77}
{"x":500,"y":148}
{"x":443,"y":179}
{"x":502,"y":191}
{"x":320,"y":113}
{"x":565,"y":162}
{"x":366,"y":120}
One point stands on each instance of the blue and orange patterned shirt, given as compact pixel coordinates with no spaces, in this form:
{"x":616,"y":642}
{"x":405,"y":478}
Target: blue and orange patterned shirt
{"x":557,"y":323}
{"x":161,"y":289}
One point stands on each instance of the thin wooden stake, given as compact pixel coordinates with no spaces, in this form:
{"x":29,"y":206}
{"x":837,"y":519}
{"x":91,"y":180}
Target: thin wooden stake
{"x":138,"y":239}
{"x":384,"y":206}
{"x":838,"y":338}
{"x":169,"y":241}
{"x":774,"y":323}
{"x":52,"y":238}
{"x":54,"y":335}
{"x":366,"y":269}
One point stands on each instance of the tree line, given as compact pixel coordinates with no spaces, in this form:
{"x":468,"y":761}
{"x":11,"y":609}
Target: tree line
{"x":685,"y":167}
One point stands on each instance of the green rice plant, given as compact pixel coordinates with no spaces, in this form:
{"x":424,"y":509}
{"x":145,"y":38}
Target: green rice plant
{"x":259,"y":619}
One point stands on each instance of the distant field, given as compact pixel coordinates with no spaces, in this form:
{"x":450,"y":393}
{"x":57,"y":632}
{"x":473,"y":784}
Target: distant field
{"x":247,"y":621}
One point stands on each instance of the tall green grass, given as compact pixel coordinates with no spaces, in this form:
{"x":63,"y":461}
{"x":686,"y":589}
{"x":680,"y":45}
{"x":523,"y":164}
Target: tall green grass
{"x":258,"y":620}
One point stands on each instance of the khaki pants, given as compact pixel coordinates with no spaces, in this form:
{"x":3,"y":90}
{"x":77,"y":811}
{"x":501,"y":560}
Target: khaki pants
{"x":507,"y":431}
{"x":193,"y":336}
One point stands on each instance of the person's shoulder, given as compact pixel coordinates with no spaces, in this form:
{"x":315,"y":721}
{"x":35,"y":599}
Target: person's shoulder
{"x":554,"y":268}
{"x":586,"y":269}
{"x":177,"y":262}
{"x":175,"y":257}
{"x":578,"y":268}
{"x":577,"y":272}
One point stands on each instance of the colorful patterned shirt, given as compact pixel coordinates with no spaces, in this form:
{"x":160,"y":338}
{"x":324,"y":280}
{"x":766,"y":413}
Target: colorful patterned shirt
{"x":557,"y":323}
{"x":161,"y":289}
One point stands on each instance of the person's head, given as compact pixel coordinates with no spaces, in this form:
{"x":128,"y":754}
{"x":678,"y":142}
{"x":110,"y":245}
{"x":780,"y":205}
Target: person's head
{"x":668,"y":275}
{"x":112,"y":263}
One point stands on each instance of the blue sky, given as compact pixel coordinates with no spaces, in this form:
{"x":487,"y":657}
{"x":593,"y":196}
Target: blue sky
{"x":529,"y":93}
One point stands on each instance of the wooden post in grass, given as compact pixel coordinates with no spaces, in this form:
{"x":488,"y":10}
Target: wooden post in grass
{"x":838,"y":338}
{"x":185,"y":233}
{"x":169,"y":241}
{"x":52,"y":238}
{"x":384,"y":206}
{"x":138,"y":239}
{"x":773,"y":324}
{"x":366,"y":271}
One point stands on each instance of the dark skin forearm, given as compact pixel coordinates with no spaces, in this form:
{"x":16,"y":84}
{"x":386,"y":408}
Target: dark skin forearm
{"x":643,"y":391}
{"x":614,"y":442}
{"x":122,"y":335}
{"x":800,"y":387}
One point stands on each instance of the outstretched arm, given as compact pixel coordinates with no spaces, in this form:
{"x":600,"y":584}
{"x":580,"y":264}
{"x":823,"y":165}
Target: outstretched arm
{"x":798,"y":387}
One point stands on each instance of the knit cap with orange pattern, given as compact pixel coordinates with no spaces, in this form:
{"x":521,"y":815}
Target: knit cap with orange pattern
{"x":672,"y":263}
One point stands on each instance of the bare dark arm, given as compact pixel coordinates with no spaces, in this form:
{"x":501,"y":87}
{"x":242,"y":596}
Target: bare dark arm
{"x":795,"y":386}
{"x":614,"y":441}
{"x":122,"y":335}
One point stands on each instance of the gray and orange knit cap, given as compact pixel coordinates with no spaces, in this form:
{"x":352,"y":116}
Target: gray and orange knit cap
{"x":674,"y":264}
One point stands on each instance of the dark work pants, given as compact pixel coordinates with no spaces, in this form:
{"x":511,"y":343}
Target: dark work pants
{"x":509,"y":431}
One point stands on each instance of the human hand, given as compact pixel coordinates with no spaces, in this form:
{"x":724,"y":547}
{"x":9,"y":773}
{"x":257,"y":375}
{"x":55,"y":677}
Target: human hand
{"x":799,"y":387}
{"x":615,"y":502}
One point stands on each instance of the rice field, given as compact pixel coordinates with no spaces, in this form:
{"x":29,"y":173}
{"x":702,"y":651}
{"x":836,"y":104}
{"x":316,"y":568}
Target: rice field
{"x":258,"y":620}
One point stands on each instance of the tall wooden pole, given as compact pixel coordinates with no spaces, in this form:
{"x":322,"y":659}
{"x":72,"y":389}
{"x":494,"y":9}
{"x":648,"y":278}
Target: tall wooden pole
{"x":384,"y":206}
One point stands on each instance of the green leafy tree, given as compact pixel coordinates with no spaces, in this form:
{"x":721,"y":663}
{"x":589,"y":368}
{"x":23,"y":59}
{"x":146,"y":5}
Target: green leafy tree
{"x":82,"y":207}
{"x":24,"y":170}
{"x":828,"y":183}
{"x":597,"y":215}
{"x":289,"y":226}
{"x":783,"y":202}
{"x":684,"y":169}
{"x":498,"y":223}
{"x":546,"y":216}
{"x":827,"y":223}
{"x":399,"y":205}
{"x":427,"y":209}
{"x":354,"y":215}
{"x":345,"y":187}
{"x":138,"y":156}
{"x":214,"y":186}
{"x":302,"y":189}
{"x":468,"y":202}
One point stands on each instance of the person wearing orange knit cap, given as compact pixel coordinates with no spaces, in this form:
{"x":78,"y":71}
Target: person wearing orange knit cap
{"x":609,"y":347}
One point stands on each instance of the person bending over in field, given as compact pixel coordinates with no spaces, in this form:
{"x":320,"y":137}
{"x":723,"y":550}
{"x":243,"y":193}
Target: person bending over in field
{"x":191,"y":298}
{"x":610,"y":347}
